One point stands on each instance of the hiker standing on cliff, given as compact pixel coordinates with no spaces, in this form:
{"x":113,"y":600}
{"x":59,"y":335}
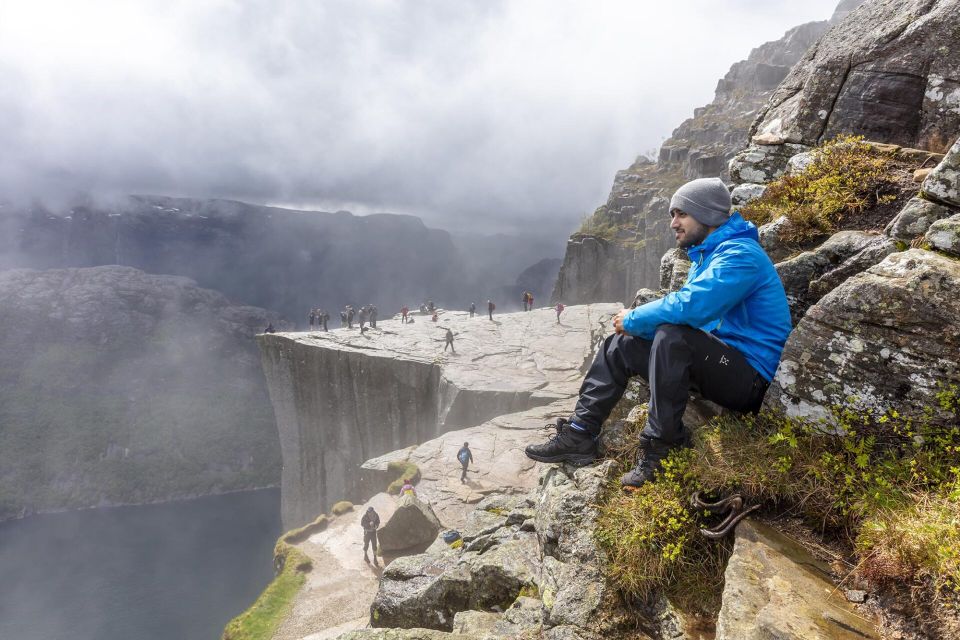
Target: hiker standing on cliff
{"x":370,"y":522}
{"x":349,"y":317}
{"x":403,"y":314}
{"x":473,"y":309}
{"x":559,"y":309}
{"x":722,"y":334}
{"x":310,"y":319}
{"x":449,"y":339}
{"x":490,"y":308}
{"x":373,"y":316}
{"x":325,"y":317}
{"x":465,"y":456}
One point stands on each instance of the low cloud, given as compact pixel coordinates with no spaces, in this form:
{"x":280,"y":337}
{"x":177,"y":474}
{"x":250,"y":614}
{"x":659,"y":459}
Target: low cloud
{"x":487,"y":115}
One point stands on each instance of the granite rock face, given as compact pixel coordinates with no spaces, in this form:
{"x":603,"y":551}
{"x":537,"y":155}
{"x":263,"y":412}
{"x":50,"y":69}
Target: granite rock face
{"x":611,"y":266}
{"x":763,"y":163}
{"x":799,"y":272}
{"x":887,"y":71}
{"x":773,"y":588}
{"x":885,"y":338}
{"x":915,"y":218}
{"x":943,"y":183}
{"x":342,"y":397}
{"x":110,"y":375}
{"x":944,"y":235}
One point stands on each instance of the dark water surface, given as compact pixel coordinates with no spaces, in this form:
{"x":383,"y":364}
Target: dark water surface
{"x":175,"y":571}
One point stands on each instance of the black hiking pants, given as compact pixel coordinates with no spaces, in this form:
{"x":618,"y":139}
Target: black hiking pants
{"x":678,"y":360}
{"x":369,"y":539}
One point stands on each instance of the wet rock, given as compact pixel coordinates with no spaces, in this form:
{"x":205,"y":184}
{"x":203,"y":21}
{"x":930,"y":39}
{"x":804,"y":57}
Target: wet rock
{"x":412,"y":525}
{"x":775,"y":589}
{"x":799,"y":272}
{"x":944,"y":235}
{"x":763,"y":163}
{"x":744,"y":193}
{"x":887,"y":337}
{"x":885,"y":72}
{"x":915,"y":218}
{"x":674,"y":267}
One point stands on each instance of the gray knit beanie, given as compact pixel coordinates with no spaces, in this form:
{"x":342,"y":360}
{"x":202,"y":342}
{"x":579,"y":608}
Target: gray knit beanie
{"x":706,"y":199}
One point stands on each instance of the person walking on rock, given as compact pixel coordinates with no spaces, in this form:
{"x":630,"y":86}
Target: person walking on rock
{"x":370,"y":523}
{"x":559,"y":309}
{"x":490,"y":308}
{"x":465,"y":456}
{"x":449,"y":339}
{"x":722,"y":334}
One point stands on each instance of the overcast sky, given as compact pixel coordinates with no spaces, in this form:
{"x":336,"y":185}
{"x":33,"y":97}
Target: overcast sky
{"x":479,"y":114}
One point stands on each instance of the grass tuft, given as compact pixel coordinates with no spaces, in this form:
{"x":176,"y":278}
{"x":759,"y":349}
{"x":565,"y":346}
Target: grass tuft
{"x":262,"y":619}
{"x":400,"y":470}
{"x":342,"y":507}
{"x":890,"y":483}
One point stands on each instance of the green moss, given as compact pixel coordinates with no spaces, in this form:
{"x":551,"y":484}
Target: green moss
{"x":846,"y":177}
{"x":341,"y":508}
{"x":401,"y":470}
{"x":889,"y":482}
{"x":262,"y":619}
{"x":296,"y":536}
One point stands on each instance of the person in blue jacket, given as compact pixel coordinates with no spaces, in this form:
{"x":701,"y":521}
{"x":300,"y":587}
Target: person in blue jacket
{"x":721,"y":334}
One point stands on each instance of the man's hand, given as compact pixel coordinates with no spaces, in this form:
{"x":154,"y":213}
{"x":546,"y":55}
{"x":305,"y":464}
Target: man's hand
{"x":618,"y":322}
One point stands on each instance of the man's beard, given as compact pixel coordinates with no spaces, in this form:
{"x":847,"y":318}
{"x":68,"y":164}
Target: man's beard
{"x":692,"y":237}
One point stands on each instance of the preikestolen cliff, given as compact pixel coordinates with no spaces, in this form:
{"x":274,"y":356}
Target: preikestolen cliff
{"x":232,"y":407}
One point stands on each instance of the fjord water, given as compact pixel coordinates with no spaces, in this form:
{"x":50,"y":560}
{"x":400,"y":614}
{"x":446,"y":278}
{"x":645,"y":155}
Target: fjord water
{"x":179,"y":570}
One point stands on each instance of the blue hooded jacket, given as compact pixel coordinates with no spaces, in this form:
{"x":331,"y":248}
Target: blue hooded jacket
{"x":732,"y":291}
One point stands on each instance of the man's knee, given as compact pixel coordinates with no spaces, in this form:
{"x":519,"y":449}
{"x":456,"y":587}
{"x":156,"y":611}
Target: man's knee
{"x":672,"y":334}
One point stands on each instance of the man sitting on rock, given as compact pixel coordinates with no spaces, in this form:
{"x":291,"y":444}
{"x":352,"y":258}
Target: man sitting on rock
{"x":721,"y":335}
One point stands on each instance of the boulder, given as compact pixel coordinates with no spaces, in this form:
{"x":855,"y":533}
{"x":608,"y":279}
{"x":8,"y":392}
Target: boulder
{"x":797,"y":273}
{"x":886,"y":72}
{"x":774,"y":588}
{"x":421,"y":591}
{"x":763,"y":163}
{"x":674,"y":267}
{"x":643,"y":296}
{"x":885,"y":338}
{"x":915,"y":218}
{"x":944,"y":235}
{"x":878,"y":249}
{"x":774,"y":238}
{"x":572,"y":583}
{"x":943,"y":183}
{"x":799,"y":163}
{"x":405,"y":634}
{"x":500,"y":574}
{"x":744,"y":193}
{"x":412,"y":525}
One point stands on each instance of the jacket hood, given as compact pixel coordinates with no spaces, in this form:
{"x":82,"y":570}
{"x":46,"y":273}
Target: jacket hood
{"x":735,"y":227}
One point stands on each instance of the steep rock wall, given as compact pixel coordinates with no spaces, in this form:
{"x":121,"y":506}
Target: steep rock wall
{"x":342,"y":397}
{"x":618,"y":251}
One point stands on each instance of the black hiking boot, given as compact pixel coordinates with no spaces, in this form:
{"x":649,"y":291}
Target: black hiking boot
{"x":649,"y":461}
{"x":567,"y":445}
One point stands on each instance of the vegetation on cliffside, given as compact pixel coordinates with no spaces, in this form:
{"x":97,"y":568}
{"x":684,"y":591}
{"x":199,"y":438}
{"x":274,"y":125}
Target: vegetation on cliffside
{"x":845,"y":177}
{"x":884,"y":487}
